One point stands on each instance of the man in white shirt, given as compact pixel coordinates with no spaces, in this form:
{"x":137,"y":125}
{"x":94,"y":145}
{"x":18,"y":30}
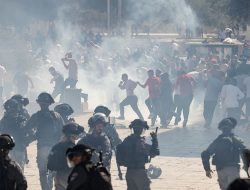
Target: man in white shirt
{"x":231,"y":95}
{"x":131,"y":99}
{"x":246,"y":84}
{"x":73,"y":70}
{"x":2,"y":74}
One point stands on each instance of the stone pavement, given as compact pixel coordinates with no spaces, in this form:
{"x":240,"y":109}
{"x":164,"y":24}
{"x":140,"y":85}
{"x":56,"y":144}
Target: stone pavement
{"x":180,"y":159}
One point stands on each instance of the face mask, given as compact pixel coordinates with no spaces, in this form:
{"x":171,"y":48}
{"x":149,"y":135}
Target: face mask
{"x":143,"y":132}
{"x":70,"y":163}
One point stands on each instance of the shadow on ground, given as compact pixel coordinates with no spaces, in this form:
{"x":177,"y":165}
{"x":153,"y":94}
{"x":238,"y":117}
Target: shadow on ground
{"x":191,"y":141}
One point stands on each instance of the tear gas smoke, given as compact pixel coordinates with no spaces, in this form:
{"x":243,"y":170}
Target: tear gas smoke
{"x":100,"y":68}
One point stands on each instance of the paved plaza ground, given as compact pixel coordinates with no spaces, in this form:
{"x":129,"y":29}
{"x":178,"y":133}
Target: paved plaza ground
{"x":180,"y":158}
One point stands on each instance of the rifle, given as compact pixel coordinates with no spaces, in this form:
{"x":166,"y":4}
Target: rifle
{"x":100,"y":163}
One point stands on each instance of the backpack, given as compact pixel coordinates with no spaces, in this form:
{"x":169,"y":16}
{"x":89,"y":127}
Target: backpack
{"x":57,"y":160}
{"x":53,"y":164}
{"x":99,"y":178}
{"x":224,"y":151}
{"x":125,"y":152}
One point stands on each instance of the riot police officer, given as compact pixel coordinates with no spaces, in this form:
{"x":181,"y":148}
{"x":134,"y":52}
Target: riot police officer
{"x":79,"y":157}
{"x":11,"y":176}
{"x":85,"y":175}
{"x":45,"y":126}
{"x":65,"y":110}
{"x":13,"y":123}
{"x":23,"y":102}
{"x":110,"y":129}
{"x":57,"y":161}
{"x":134,"y":153}
{"x":226,"y":150}
{"x":98,"y":140}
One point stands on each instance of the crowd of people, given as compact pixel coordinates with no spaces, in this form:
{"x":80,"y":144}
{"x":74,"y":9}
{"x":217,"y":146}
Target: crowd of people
{"x":73,"y":157}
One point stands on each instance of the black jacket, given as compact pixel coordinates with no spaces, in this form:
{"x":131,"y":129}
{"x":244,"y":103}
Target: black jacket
{"x":57,"y":160}
{"x":140,"y":151}
{"x":225,"y":150}
{"x":11,"y":176}
{"x":15,"y":126}
{"x":78,"y":178}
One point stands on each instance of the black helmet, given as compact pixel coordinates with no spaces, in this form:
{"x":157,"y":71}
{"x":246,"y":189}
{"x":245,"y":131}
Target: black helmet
{"x":6,"y":142}
{"x":11,"y":104}
{"x":102,"y":109}
{"x":45,"y":97}
{"x":79,"y":149}
{"x":64,"y":109}
{"x":96,"y":119}
{"x":227,"y":123}
{"x":138,"y":123}
{"x":154,"y":172}
{"x":20,"y":99}
{"x":72,"y":129}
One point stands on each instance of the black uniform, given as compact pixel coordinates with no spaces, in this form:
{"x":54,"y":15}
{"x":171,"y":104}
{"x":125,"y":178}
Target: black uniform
{"x":78,"y":177}
{"x":11,"y":176}
{"x":15,"y":126}
{"x":100,"y":144}
{"x":140,"y":154}
{"x":226,"y":151}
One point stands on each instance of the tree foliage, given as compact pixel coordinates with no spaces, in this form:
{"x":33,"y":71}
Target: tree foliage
{"x":221,"y":13}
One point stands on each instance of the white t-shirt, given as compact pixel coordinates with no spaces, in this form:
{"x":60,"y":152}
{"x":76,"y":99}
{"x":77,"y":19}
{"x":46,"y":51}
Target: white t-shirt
{"x":231,"y":95}
{"x":2,"y":73}
{"x":246,"y":83}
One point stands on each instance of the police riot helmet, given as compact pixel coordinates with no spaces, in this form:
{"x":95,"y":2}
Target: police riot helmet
{"x":6,"y":142}
{"x":64,"y":109}
{"x":102,"y":109}
{"x":20,"y":99}
{"x":79,"y":150}
{"x":97,"y":119}
{"x":11,"y":105}
{"x":227,"y":123}
{"x":138,"y":123}
{"x":154,"y":172}
{"x":72,"y":129}
{"x":46,"y":98}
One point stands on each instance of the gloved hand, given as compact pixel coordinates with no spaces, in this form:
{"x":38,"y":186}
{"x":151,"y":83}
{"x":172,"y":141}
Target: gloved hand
{"x":153,"y":135}
{"x":209,"y":173}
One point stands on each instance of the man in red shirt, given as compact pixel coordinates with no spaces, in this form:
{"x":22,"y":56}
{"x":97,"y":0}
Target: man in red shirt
{"x":153,"y":84}
{"x":184,"y":85}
